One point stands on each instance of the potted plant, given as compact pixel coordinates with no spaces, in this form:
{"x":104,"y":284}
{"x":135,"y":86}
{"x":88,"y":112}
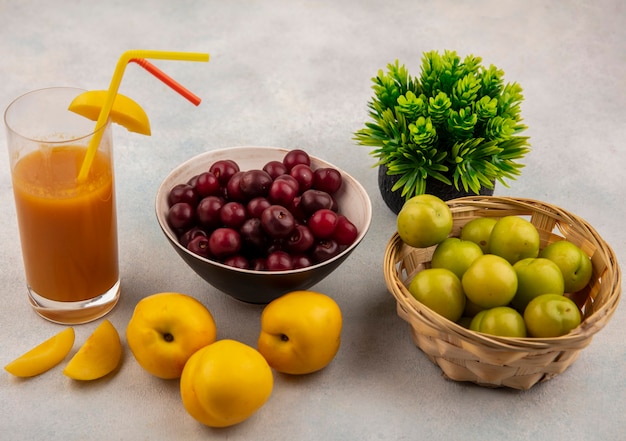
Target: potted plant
{"x":453,"y":131}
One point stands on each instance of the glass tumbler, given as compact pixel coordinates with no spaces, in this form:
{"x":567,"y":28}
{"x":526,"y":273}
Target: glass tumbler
{"x":67,"y":228}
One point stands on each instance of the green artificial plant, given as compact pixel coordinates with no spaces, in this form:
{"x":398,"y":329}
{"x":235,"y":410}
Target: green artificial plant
{"x":457,"y":123}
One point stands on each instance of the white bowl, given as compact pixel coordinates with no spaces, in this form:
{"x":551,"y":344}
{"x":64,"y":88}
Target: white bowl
{"x":262,"y":286}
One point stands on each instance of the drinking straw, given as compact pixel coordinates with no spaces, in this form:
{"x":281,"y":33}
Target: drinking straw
{"x":169,"y":81}
{"x":114,"y":87}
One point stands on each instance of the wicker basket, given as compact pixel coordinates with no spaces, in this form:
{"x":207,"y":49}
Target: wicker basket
{"x":492,"y":361}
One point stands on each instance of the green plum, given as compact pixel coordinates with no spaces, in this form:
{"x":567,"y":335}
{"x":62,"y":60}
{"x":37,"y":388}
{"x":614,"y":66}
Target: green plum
{"x":478,"y":231}
{"x":574,"y":263}
{"x":440,"y":290}
{"x":490,"y":281}
{"x":536,"y":276}
{"x":551,"y":315}
{"x":424,"y":220}
{"x":514,"y":238}
{"x":502,"y":321}
{"x":456,"y":255}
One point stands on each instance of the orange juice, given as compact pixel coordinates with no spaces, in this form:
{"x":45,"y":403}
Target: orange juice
{"x":68,"y":230}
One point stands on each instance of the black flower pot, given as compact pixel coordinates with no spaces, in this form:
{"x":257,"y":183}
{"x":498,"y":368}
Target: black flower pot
{"x":395,"y":201}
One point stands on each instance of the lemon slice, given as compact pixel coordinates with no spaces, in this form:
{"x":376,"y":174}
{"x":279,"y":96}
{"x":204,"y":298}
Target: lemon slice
{"x":125,"y":111}
{"x":44,"y":356}
{"x":99,"y":355}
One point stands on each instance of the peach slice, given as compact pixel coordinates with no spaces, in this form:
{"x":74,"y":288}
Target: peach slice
{"x":44,"y":356}
{"x":125,"y":111}
{"x":98,"y":356}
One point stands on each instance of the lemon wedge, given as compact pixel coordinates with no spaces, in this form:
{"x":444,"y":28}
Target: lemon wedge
{"x":99,"y":355}
{"x":44,"y":356}
{"x":125,"y":111}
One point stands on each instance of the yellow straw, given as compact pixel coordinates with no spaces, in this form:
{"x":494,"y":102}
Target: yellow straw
{"x":112,"y":92}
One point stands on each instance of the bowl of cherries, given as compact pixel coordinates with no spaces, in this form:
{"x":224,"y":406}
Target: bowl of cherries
{"x":258,"y":222}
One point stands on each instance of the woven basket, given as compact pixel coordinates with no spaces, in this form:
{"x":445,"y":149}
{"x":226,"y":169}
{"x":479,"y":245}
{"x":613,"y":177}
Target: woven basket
{"x":492,"y":361}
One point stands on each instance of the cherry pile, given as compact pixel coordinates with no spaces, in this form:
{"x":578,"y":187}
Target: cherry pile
{"x":281,"y":217}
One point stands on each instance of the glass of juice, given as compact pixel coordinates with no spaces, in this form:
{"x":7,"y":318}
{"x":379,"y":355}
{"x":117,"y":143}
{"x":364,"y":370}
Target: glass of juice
{"x":67,"y":228}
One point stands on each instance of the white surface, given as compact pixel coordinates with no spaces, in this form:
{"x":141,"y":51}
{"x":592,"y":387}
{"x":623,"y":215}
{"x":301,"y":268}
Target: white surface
{"x":297,"y":74}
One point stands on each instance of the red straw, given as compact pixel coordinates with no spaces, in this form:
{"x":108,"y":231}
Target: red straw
{"x":194,"y":99}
